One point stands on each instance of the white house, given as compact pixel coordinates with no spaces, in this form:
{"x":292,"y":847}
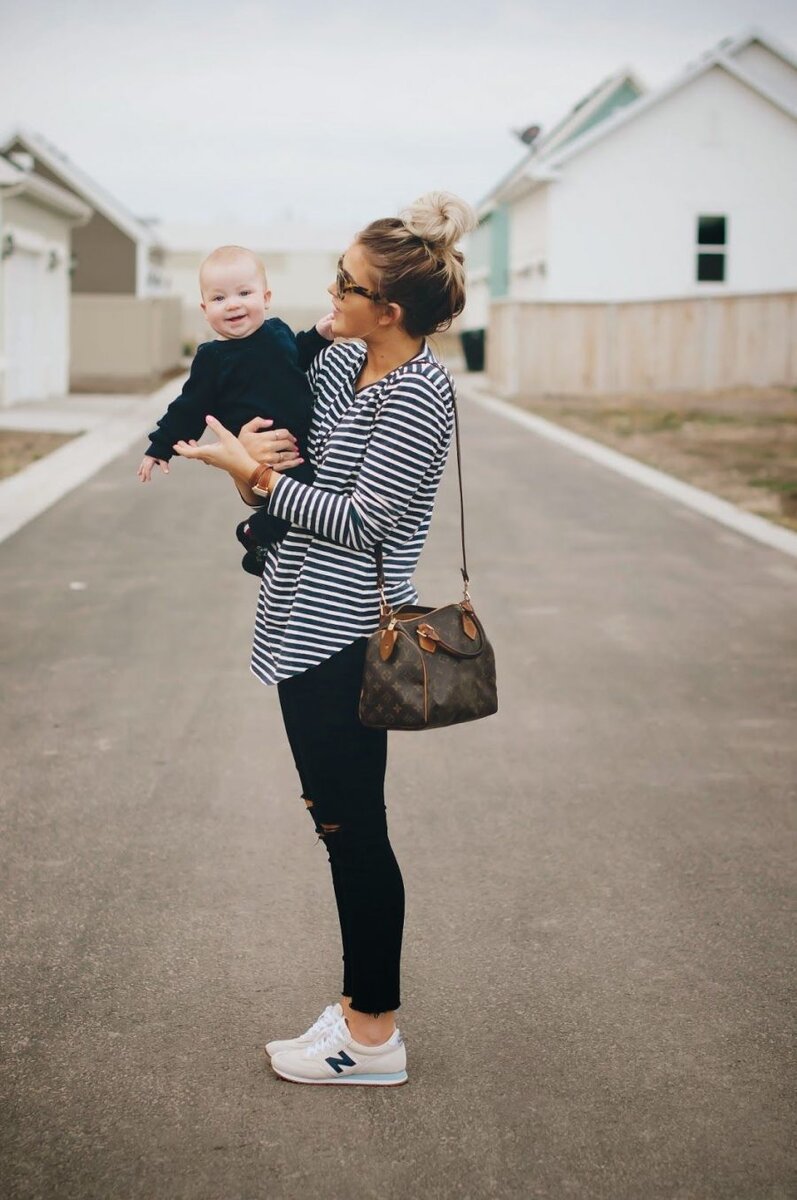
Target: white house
{"x":37,"y":222}
{"x":683,"y":192}
{"x":300,"y":263}
{"x":124,"y":325}
{"x":115,"y":252}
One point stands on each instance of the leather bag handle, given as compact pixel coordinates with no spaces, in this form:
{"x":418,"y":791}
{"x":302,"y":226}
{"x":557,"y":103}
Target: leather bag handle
{"x":421,"y":631}
{"x":380,"y":568}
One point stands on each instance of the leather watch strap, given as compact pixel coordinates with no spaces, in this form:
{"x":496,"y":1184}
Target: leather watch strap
{"x":260,"y":479}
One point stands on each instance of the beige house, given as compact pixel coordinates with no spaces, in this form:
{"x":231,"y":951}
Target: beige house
{"x":38,"y":220}
{"x":300,"y":262}
{"x":125,"y":327}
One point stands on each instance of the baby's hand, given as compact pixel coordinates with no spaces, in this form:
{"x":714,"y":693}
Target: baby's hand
{"x":148,"y":465}
{"x":324,"y":326}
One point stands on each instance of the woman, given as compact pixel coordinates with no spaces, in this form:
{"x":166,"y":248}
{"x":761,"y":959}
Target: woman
{"x":380,"y":436}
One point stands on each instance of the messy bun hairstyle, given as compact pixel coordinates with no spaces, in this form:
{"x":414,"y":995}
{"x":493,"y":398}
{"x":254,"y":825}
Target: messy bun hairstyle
{"x":415,"y":261}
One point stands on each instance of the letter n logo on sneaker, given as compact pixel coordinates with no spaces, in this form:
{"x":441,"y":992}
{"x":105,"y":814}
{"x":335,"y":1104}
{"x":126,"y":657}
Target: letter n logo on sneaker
{"x":338,"y":1062}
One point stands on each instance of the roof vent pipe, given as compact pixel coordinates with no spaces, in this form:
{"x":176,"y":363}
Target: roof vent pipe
{"x":529,"y":134}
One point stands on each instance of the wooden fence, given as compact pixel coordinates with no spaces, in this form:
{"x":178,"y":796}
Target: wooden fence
{"x":643,"y":346}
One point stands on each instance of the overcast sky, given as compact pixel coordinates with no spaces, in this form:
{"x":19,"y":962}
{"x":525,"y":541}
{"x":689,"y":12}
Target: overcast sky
{"x":333,"y":112}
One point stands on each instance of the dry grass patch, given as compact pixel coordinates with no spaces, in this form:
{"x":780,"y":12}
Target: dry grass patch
{"x":740,"y":445}
{"x":19,"y":447}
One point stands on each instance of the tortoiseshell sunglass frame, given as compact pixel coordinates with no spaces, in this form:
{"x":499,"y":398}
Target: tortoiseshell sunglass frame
{"x":344,"y":283}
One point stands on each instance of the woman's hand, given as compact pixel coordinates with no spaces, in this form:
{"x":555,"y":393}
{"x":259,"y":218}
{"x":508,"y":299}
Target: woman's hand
{"x":276,"y":448}
{"x":227,"y":453}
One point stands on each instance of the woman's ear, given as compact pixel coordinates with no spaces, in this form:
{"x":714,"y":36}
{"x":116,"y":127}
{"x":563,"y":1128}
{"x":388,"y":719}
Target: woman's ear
{"x":393,"y":314}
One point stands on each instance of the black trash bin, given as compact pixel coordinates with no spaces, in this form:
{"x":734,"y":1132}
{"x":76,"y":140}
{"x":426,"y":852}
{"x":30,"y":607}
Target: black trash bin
{"x":473,"y":348}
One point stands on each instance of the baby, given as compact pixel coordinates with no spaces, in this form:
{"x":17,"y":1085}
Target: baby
{"x":256,"y":369}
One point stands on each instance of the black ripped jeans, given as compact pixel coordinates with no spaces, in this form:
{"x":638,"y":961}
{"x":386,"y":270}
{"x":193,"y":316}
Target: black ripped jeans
{"x":341,"y":766}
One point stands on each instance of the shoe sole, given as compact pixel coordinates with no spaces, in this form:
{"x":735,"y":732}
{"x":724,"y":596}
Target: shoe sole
{"x":393,"y":1079}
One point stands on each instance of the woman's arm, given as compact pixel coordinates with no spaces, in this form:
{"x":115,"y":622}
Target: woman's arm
{"x":247,"y":495}
{"x":276,"y":450}
{"x":408,"y":435}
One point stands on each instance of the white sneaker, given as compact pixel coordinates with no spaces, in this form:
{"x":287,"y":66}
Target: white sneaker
{"x":335,"y":1057}
{"x":328,"y":1018}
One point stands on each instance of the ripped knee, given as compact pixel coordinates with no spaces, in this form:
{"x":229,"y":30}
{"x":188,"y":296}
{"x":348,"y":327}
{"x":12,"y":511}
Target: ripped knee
{"x":322,"y":828}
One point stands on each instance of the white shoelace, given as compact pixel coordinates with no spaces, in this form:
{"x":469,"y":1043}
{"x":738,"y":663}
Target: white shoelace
{"x":333,"y":1035}
{"x":327,"y":1016}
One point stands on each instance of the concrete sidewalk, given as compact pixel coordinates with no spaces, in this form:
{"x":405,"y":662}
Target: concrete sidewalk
{"x":76,"y":412}
{"x":108,"y":424}
{"x":596,"y":983}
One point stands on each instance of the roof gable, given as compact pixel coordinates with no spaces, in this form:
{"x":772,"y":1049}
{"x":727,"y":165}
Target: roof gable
{"x":768,"y":62}
{"x":80,"y":183}
{"x":734,"y":47}
{"x":46,"y":194}
{"x":10,"y":176}
{"x":544,"y":166}
{"x":645,"y":103}
{"x":615,"y":92}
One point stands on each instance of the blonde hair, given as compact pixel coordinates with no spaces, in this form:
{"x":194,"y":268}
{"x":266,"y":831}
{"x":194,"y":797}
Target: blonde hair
{"x":223,"y":255}
{"x":416,"y":263}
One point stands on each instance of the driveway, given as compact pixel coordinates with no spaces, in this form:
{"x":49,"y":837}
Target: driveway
{"x":599,"y":879}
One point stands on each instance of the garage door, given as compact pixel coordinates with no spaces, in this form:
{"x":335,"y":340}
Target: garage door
{"x":26,"y":378}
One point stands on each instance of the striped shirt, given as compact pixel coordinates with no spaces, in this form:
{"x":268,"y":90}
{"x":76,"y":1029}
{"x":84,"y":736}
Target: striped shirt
{"x":378,"y":455}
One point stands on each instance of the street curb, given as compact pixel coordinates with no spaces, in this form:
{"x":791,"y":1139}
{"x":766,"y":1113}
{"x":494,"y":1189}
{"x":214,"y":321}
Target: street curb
{"x":37,"y":487}
{"x":706,"y":503}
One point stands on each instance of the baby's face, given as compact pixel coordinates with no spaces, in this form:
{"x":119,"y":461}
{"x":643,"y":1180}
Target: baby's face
{"x":234,"y":299}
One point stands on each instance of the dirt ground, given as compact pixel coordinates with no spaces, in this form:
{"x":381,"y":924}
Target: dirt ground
{"x":18,"y":447}
{"x":740,"y":445}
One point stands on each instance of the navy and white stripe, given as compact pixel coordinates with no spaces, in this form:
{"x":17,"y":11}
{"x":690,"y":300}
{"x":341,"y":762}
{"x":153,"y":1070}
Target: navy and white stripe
{"x":378,"y":455}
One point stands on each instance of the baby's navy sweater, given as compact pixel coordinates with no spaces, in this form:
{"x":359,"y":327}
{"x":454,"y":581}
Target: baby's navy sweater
{"x":262,"y":375}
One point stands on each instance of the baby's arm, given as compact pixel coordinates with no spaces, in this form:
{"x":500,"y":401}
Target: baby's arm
{"x":310,"y":343}
{"x":148,"y":465}
{"x":184,"y":419}
{"x":324,"y":326}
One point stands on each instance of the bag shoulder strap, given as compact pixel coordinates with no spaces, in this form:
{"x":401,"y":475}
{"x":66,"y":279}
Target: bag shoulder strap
{"x":380,"y":572}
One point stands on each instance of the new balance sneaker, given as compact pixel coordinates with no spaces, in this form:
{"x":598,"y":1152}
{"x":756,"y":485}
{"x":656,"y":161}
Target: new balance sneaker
{"x":328,"y":1017}
{"x":335,"y":1057}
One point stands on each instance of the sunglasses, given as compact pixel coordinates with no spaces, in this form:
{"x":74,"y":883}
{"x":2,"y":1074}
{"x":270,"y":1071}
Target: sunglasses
{"x":344,"y":283}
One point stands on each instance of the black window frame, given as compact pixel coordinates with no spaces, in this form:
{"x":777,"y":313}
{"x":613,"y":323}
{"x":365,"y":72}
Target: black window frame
{"x":706,"y":222}
{"x":710,"y":268}
{"x":711,"y":257}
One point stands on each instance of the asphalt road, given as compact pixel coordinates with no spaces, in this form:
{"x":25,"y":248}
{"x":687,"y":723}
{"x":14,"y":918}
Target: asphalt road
{"x":599,"y":879}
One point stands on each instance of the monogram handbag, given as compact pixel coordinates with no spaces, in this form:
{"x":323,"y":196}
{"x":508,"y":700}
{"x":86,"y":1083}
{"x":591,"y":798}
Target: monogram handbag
{"x":428,"y":667}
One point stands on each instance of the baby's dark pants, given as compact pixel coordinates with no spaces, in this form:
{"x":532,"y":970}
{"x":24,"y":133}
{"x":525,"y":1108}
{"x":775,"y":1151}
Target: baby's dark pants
{"x":341,"y":765}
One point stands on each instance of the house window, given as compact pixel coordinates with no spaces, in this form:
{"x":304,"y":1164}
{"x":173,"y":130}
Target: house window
{"x":711,"y":231}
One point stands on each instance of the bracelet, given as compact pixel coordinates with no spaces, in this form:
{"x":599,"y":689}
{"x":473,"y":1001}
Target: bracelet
{"x":257,"y":476}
